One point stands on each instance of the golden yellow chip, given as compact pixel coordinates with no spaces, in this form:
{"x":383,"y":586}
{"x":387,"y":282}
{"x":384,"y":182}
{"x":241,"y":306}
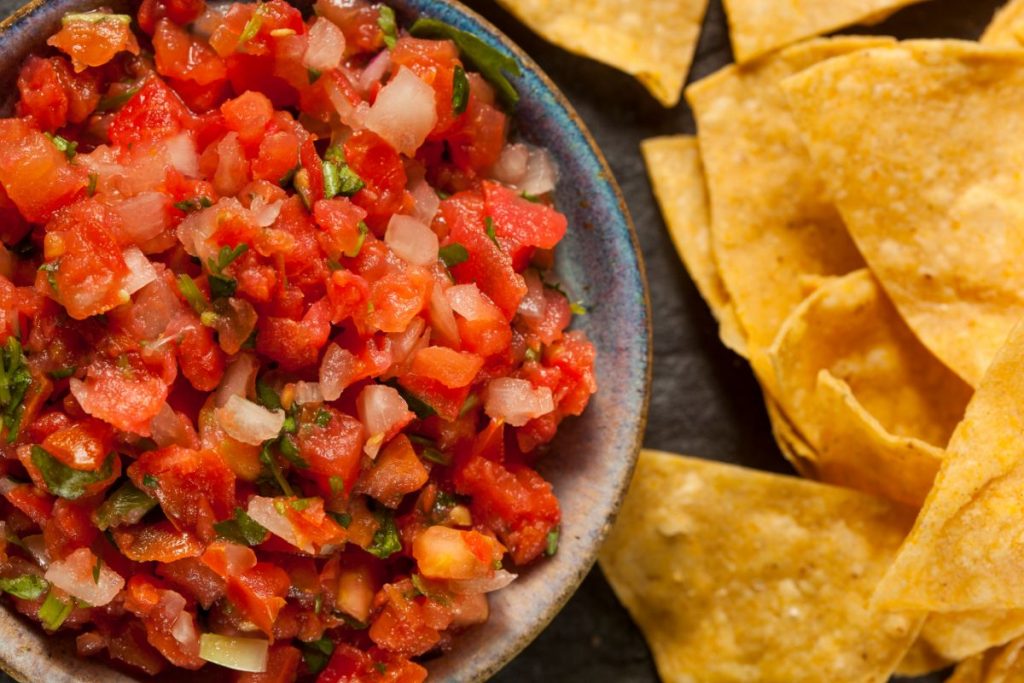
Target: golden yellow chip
{"x":736,"y":575}
{"x":873,"y":403}
{"x":921,"y":660}
{"x":922,"y":146}
{"x":1003,"y":665}
{"x":677,"y":176}
{"x":958,"y":635}
{"x":1007,"y":27}
{"x":774,"y":229}
{"x":757,"y":27}
{"x":967,"y":548}
{"x":792,"y":444}
{"x":652,"y":41}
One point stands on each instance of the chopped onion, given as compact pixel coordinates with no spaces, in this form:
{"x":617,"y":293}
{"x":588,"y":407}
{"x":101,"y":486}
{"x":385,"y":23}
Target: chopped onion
{"x":541,"y":173}
{"x":76,"y":574}
{"x":264,"y":511}
{"x":404,"y":343}
{"x":427,"y":201}
{"x":351,"y":111}
{"x":404,"y":112}
{"x":512,"y":164}
{"x":308,"y":392}
{"x":232,"y":167}
{"x":36,"y":546}
{"x":500,"y":579}
{"x":472,"y":304}
{"x":516,"y":401}
{"x":383,"y":411}
{"x":143,"y":217}
{"x":234,"y":652}
{"x":265,"y":214}
{"x":249,"y":422}
{"x":442,"y":319}
{"x":184,"y":630}
{"x":336,"y":371}
{"x":534,"y":304}
{"x":7,"y":485}
{"x":181,"y":153}
{"x":326,"y":46}
{"x":140,"y":270}
{"x":167,"y":428}
{"x":411,"y":240}
{"x":374,"y":71}
{"x":195,"y":231}
{"x":239,"y":379}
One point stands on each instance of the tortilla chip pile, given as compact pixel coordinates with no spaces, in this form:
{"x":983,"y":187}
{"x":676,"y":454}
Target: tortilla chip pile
{"x":654,"y":40}
{"x":852,"y":211}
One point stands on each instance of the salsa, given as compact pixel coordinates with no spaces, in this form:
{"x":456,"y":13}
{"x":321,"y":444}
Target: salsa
{"x":279,"y":344}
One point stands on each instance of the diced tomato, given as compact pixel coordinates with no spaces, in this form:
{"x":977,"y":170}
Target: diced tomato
{"x":83,"y":445}
{"x":451,"y":368}
{"x":181,"y":56}
{"x":295,"y":343}
{"x":181,"y":12}
{"x":194,"y":488}
{"x":396,"y":471}
{"x":36,"y":175}
{"x":339,"y":221}
{"x":434,"y":61}
{"x":521,"y":225}
{"x":259,"y":593}
{"x":91,"y":42}
{"x":447,"y":402}
{"x":408,"y":626}
{"x":332,"y":449}
{"x":278,"y":156}
{"x":53,"y":95}
{"x":202,"y":360}
{"x":248,"y":115}
{"x":155,"y":112}
{"x":159,"y":542}
{"x":121,"y":391}
{"x":380,"y":167}
{"x":194,"y":579}
{"x":445,"y":553}
{"x":282,"y":666}
{"x":163,"y":613}
{"x":36,"y":504}
{"x":351,"y":665}
{"x":69,"y":528}
{"x":475,"y":143}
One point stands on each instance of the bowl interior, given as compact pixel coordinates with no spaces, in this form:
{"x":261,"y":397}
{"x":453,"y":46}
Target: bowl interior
{"x":592,"y":458}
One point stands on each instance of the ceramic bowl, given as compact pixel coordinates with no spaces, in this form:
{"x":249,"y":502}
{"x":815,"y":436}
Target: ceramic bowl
{"x":593,"y":456}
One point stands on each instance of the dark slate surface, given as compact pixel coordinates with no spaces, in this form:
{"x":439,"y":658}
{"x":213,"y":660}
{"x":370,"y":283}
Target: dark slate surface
{"x":705,"y":401}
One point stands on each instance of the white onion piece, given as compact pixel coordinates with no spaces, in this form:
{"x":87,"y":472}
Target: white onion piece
{"x":184,"y":631}
{"x":442,"y":319}
{"x":352,"y":115}
{"x":403,"y":343}
{"x":411,"y":240}
{"x":195,"y":231}
{"x":516,"y":401}
{"x":36,"y":546}
{"x":249,"y":422}
{"x":472,"y":304}
{"x":512,"y":164}
{"x":265,"y":214}
{"x":140,"y":270}
{"x":308,"y":392}
{"x":167,"y":428}
{"x":427,"y":201}
{"x":76,"y":575}
{"x":541,"y":173}
{"x":181,"y":153}
{"x":374,"y":71}
{"x":326,"y":46}
{"x":7,"y":485}
{"x":534,"y":304}
{"x":263,"y":511}
{"x":500,"y":579}
{"x":234,"y":652}
{"x":238,"y":380}
{"x":336,"y":371}
{"x":143,"y":217}
{"x":404,"y":112}
{"x":381,"y":409}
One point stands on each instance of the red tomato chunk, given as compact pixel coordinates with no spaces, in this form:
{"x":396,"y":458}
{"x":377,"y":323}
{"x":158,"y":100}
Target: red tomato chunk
{"x":278,"y":344}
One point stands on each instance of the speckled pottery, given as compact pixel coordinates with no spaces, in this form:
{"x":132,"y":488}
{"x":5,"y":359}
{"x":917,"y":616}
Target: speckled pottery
{"x":593,"y":456}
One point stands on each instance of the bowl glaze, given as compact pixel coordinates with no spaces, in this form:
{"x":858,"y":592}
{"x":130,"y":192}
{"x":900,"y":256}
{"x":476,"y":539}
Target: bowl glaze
{"x":592,"y":458}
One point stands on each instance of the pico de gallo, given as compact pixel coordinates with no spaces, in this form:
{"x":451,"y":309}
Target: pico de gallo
{"x":279,"y":341}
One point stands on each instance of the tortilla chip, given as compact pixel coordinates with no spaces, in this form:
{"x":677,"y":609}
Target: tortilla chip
{"x":922,"y":145}
{"x":1007,"y":27}
{"x":677,"y":177}
{"x":873,"y":403}
{"x":757,"y":27}
{"x":959,"y":635}
{"x":653,"y":41}
{"x":773,"y":228}
{"x":1005,"y":665}
{"x":965,"y":552}
{"x":792,"y":444}
{"x":738,"y":575}
{"x":921,"y":660}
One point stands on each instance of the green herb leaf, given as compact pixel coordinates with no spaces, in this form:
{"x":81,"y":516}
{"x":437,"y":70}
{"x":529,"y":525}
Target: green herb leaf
{"x":436,"y":456}
{"x":552,"y":545}
{"x":342,"y":518}
{"x":64,"y":481}
{"x":460,"y":90}
{"x":91,"y":189}
{"x":421,"y":408}
{"x":51,"y":270}
{"x":192,"y":205}
{"x":112,"y":102}
{"x":388,"y":25}
{"x":225,"y":257}
{"x":26,"y":587}
{"x":453,"y":254}
{"x":69,"y":148}
{"x":54,"y":611}
{"x":126,"y":505}
{"x":432,"y":594}
{"x":193,"y":295}
{"x":337,"y":484}
{"x":313,"y":75}
{"x":385,"y":540}
{"x":267,"y":458}
{"x":492,"y":64}
{"x":471,"y":402}
{"x":317,"y":653}
{"x":364,"y":230}
{"x":300,"y":504}
{"x":96,"y":569}
{"x":489,"y":228}
{"x":266,"y":396}
{"x":242,"y":529}
{"x":151,"y":481}
{"x":322,"y":418}
{"x":252,"y":27}
{"x":63,"y":373}
{"x":15,"y":380}
{"x":532,"y":355}
{"x":222,"y":287}
{"x":290,"y":451}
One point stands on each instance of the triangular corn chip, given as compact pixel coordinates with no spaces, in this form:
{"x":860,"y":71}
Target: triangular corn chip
{"x":652,"y":41}
{"x":922,"y":146}
{"x":677,"y":177}
{"x":736,"y":575}
{"x":1002,"y":665}
{"x":757,"y":27}
{"x":1007,"y":27}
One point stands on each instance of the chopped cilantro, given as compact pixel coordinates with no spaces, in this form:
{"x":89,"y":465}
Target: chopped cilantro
{"x":460,"y":90}
{"x":453,"y":254}
{"x":339,"y":178}
{"x":97,"y":569}
{"x":91,"y":189}
{"x":54,"y":611}
{"x":532,"y":198}
{"x":252,"y":27}
{"x":51,"y":270}
{"x":313,"y":75}
{"x":385,"y":540}
{"x":193,"y":295}
{"x":26,"y":586}
{"x":241,"y":529}
{"x":15,"y":380}
{"x":266,"y":396}
{"x":267,"y":458}
{"x":337,"y":484}
{"x":118,"y":100}
{"x":150,"y":481}
{"x":471,"y":401}
{"x":388,"y":25}
{"x":431,"y":593}
{"x":322,"y":418}
{"x":69,"y":147}
{"x":300,"y":504}
{"x":492,"y":64}
{"x":489,"y":228}
{"x":552,"y":545}
{"x":64,"y":481}
{"x":364,"y":230}
{"x":317,"y":653}
{"x":126,"y":505}
{"x":436,"y":456}
{"x":342,"y":518}
{"x":191,"y":205}
{"x":222,"y":287}
{"x":417,"y":405}
{"x":291,"y":452}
